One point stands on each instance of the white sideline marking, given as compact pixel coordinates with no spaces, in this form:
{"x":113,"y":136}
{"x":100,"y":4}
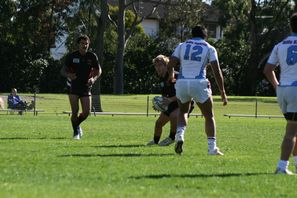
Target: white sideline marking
{"x":128,"y":113}
{"x":253,"y":116}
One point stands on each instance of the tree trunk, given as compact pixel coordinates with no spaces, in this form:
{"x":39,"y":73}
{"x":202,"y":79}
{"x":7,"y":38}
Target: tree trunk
{"x":99,"y":48}
{"x":119,"y":67}
{"x":251,"y":73}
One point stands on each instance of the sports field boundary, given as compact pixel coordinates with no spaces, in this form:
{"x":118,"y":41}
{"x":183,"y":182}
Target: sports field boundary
{"x":129,"y":113}
{"x":35,"y":112}
{"x":253,"y":116}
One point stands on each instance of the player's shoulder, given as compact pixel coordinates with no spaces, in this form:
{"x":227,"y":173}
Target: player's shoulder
{"x":180,"y":44}
{"x":289,"y":40}
{"x":207,"y":44}
{"x":200,"y":42}
{"x":210,"y":47}
{"x":92,"y":55}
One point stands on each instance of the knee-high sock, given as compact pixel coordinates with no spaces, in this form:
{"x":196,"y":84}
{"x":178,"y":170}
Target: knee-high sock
{"x":74,"y":123}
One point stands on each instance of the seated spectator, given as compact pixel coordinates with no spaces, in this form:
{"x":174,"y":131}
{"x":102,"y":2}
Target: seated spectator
{"x":15,"y":102}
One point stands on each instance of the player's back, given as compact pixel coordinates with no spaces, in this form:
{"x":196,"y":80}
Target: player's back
{"x":194,"y":55}
{"x":286,"y":52}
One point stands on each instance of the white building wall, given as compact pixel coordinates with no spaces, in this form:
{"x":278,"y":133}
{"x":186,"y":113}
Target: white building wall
{"x":150,"y":26}
{"x":219,"y":33}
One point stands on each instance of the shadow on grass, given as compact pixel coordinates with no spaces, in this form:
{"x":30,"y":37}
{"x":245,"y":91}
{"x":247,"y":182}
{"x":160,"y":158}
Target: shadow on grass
{"x":222,"y":175}
{"x":118,"y":155}
{"x":30,"y":138}
{"x":120,"y":146}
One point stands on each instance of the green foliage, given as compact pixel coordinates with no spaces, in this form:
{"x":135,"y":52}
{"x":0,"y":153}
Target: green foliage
{"x":139,"y":71}
{"x":244,"y":50}
{"x":180,"y":18}
{"x":129,"y":18}
{"x":232,"y":10}
{"x":27,"y":30}
{"x":51,"y":80}
{"x":233,"y":56}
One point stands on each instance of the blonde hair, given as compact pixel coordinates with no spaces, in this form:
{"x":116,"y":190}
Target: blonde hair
{"x":161,"y":58}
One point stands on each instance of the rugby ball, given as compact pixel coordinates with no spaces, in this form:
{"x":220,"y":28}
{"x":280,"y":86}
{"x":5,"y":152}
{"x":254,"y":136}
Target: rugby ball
{"x":158,"y":104}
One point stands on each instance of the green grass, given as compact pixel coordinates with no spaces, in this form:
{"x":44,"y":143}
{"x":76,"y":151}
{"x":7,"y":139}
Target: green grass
{"x":38,"y":157}
{"x":57,"y":103}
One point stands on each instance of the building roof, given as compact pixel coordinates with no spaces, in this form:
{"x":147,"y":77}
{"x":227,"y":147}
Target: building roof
{"x":144,"y":8}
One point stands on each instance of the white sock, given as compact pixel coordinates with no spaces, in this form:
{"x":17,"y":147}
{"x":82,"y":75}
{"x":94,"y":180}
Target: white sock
{"x":282,"y":164}
{"x":212,"y":143}
{"x":180,"y":132}
{"x":295,"y":160}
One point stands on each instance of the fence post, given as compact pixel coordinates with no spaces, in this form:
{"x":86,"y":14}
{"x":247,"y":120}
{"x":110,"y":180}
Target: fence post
{"x":34,"y":99}
{"x":256,"y":107}
{"x":147,"y":105}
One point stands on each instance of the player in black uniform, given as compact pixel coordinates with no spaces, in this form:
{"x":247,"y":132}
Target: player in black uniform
{"x":82,"y":69}
{"x":170,"y":100}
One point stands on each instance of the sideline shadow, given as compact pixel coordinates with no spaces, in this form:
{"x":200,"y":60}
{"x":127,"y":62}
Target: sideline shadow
{"x":120,"y":146}
{"x":118,"y":155}
{"x":222,"y":175}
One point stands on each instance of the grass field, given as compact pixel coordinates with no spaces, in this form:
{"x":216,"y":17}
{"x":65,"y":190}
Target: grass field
{"x":38,"y":157}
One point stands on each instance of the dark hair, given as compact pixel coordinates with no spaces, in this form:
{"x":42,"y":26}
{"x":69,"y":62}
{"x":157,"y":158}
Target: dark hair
{"x":293,"y":22}
{"x":82,"y":37}
{"x":199,"y":31}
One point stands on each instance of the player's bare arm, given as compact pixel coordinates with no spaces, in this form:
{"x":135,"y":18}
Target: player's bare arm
{"x":95,"y":75}
{"x":219,"y":80}
{"x":270,"y":74}
{"x":172,"y":66}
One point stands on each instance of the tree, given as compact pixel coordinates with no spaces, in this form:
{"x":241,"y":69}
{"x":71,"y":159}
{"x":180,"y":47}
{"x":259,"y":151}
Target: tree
{"x":124,"y":35}
{"x":26,"y":27}
{"x":99,"y":48}
{"x":258,"y":38}
{"x":180,"y":17}
{"x":251,"y":28}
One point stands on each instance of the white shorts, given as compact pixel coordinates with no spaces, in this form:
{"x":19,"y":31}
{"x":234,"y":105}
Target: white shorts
{"x":287,"y":99}
{"x":187,"y":89}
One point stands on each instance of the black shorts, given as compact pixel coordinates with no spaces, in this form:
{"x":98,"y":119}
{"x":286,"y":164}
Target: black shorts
{"x":81,"y":92}
{"x":171,"y":107}
{"x":292,"y":116}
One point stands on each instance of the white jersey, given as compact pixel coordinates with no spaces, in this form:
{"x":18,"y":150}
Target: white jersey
{"x":194,"y":54}
{"x":285,"y":55}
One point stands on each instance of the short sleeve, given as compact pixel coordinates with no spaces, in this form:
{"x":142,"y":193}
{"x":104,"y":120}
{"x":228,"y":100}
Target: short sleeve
{"x":213,"y":55}
{"x":95,"y":61}
{"x":273,"y":59}
{"x":176,"y":52}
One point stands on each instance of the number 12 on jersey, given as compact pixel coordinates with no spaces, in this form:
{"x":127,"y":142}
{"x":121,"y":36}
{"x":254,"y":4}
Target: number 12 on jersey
{"x":193,"y":52}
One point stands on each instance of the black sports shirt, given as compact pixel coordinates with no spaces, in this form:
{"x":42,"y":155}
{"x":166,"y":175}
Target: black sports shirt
{"x":82,"y":66}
